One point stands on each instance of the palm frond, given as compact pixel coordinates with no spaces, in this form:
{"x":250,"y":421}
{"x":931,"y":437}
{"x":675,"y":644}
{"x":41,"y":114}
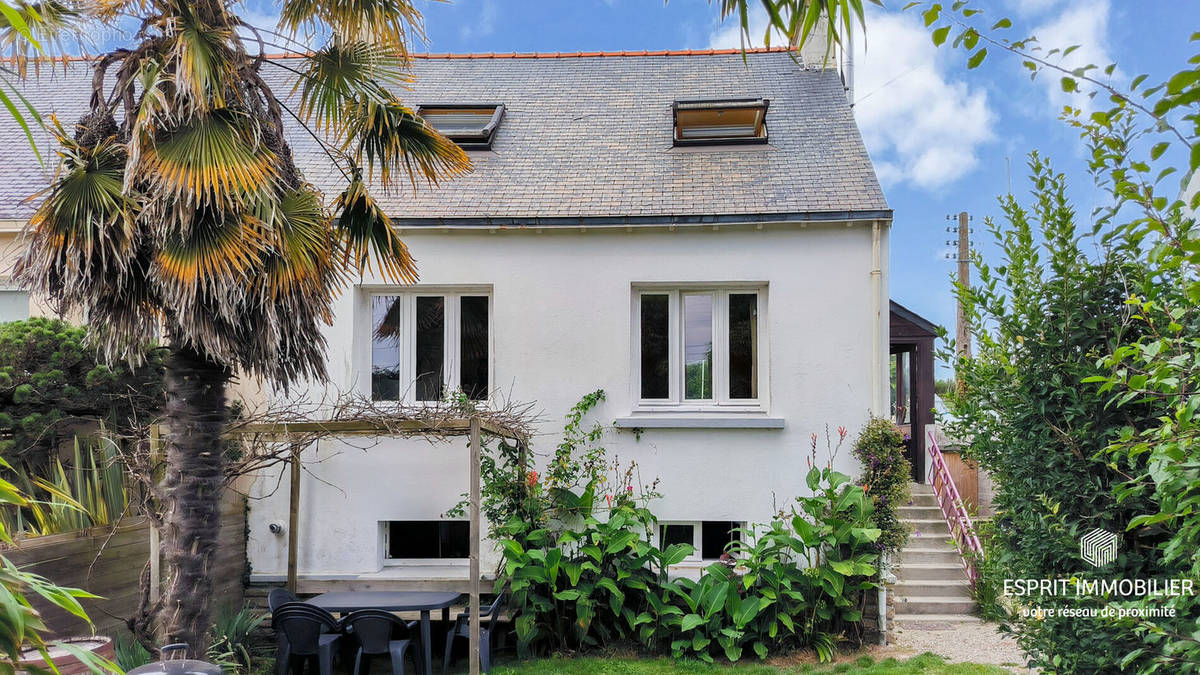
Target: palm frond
{"x":83,"y":230}
{"x":388,"y":136}
{"x":30,"y":31}
{"x":216,"y":253}
{"x":365,"y":229}
{"x":108,"y":10}
{"x":215,"y":161}
{"x":342,"y":72}
{"x":396,"y":23}
{"x":203,"y":67}
{"x":302,"y":250}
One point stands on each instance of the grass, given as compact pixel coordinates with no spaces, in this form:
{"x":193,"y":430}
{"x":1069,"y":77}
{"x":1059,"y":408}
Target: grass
{"x":925,"y":664}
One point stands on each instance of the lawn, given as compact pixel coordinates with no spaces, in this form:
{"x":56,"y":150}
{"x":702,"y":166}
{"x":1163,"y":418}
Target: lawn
{"x":924,"y":664}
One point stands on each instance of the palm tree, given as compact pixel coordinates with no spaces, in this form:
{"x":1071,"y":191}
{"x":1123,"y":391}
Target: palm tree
{"x":177,"y":204}
{"x":795,"y":20}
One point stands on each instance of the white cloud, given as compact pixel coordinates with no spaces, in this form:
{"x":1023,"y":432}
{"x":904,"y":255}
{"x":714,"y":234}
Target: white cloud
{"x":485,"y":23}
{"x":1083,"y":23}
{"x":1031,"y":7}
{"x":921,"y":125}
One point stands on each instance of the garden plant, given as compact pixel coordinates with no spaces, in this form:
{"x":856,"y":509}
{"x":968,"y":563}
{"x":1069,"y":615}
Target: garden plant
{"x":584,"y":569}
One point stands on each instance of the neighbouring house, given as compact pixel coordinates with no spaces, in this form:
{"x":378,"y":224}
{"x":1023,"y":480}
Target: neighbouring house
{"x":700,"y":234}
{"x":911,"y":376}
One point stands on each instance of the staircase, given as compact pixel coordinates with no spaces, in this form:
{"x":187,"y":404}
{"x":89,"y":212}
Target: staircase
{"x":931,"y":586}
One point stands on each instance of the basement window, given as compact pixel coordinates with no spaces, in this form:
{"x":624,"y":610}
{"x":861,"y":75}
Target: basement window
{"x":721,"y":122}
{"x":427,"y":539}
{"x":709,"y":537}
{"x":471,"y":126}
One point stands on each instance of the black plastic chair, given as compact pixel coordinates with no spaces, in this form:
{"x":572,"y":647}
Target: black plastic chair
{"x":462,"y":628}
{"x":306,"y":631}
{"x":279,"y":596}
{"x":276,"y":599}
{"x":383,"y":633}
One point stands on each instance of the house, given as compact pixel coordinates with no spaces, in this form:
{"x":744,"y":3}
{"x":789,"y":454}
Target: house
{"x":698,"y":233}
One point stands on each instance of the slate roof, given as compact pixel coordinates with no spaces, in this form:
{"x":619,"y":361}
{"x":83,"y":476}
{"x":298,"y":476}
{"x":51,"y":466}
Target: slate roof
{"x":585,"y":136}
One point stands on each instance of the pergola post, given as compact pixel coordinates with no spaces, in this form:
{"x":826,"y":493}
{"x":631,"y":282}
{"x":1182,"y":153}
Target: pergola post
{"x":293,"y":519}
{"x":476,"y":448}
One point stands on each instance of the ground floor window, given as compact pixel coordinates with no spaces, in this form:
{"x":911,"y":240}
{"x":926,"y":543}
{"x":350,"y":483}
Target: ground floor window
{"x":708,"y":537}
{"x":427,"y":539}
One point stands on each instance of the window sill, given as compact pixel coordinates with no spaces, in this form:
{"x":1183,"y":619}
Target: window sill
{"x":685,"y":421}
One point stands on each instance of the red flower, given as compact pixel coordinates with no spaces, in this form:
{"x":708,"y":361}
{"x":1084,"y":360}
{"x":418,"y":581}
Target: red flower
{"x":531,"y":478}
{"x":842,"y":432}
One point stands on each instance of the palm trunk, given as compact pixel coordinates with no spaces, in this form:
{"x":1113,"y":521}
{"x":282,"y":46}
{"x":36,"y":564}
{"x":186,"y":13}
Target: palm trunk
{"x":195,"y":419}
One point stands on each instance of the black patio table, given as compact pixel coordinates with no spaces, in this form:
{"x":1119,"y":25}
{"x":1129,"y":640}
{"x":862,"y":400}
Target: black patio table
{"x":344,"y":602}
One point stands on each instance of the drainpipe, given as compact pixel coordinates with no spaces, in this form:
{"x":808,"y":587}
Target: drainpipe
{"x":876,"y":323}
{"x":877,"y":396}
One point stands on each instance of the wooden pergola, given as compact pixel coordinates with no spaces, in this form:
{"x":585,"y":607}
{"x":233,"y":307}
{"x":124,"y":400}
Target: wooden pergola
{"x":435,"y":428}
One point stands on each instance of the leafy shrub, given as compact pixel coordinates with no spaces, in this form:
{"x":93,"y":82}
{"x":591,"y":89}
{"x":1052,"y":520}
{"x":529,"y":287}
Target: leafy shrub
{"x":886,"y":477}
{"x":583,"y":569}
{"x":988,"y":590}
{"x":23,"y":627}
{"x":796,"y":582}
{"x":230,"y":639}
{"x":1039,"y":321}
{"x":130,"y":653}
{"x":91,"y":492}
{"x":584,"y":586}
{"x":51,"y":384}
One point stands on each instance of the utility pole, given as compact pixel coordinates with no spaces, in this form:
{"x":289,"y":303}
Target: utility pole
{"x":964,"y":278}
{"x":962,"y":338}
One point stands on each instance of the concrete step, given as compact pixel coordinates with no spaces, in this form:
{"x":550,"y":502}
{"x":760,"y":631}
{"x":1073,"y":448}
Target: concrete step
{"x":927,"y":526}
{"x":901,"y":619}
{"x":932,"y":588}
{"x":919,"y":513}
{"x":919,"y":569}
{"x":920,"y":488}
{"x":934,"y":605}
{"x":922,"y":500}
{"x":931,"y":556}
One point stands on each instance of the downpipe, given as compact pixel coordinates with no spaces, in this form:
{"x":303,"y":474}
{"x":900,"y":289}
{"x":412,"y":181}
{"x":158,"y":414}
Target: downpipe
{"x":877,"y":390}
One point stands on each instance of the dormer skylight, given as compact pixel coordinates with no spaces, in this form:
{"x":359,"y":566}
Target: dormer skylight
{"x":721,"y":122}
{"x":471,"y":126}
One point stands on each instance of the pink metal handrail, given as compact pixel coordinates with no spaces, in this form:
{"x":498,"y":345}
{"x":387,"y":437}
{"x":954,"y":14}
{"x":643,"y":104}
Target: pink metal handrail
{"x":954,"y":511}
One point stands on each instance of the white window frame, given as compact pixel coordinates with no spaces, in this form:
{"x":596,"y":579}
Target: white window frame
{"x":721,"y":402}
{"x":697,"y":528}
{"x":452,"y":343}
{"x":697,"y":538}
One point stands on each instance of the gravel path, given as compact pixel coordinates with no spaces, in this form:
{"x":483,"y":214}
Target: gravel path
{"x":974,"y":641}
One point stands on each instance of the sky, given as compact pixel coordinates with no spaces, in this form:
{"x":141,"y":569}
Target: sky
{"x":943,"y":138}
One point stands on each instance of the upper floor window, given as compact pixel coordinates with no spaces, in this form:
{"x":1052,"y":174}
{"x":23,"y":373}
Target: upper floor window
{"x":698,"y":346}
{"x":471,"y":126}
{"x":722,"y":122}
{"x":427,"y":344}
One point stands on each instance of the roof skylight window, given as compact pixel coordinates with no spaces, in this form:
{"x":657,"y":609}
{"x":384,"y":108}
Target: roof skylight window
{"x":471,"y":126}
{"x":721,"y":122}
